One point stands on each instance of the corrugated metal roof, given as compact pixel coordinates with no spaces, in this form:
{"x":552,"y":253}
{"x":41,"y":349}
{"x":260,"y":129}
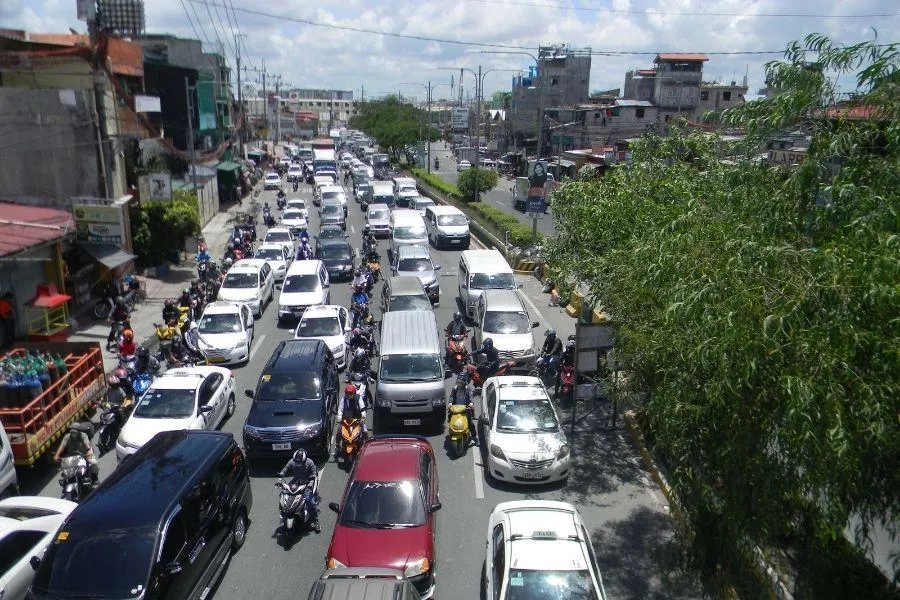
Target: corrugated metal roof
{"x":24,"y":226}
{"x":126,"y":58}
{"x":624,"y":102}
{"x":688,"y":56}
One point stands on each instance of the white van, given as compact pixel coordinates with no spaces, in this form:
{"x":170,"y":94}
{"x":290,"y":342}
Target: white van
{"x":407,"y":229}
{"x":404,"y":189}
{"x":383,"y":193}
{"x":447,"y":226}
{"x":481,"y":270}
{"x":9,"y":483}
{"x":306,"y":284}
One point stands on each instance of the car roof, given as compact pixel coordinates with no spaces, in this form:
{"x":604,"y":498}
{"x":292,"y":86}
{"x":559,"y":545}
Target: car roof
{"x":304,"y":267}
{"x":334,"y":242}
{"x":277,"y":230}
{"x":333,"y":188}
{"x":295,"y":356}
{"x":270,"y":246}
{"x":443,"y":209}
{"x":391,"y":458}
{"x":220,"y":307}
{"x":141,"y":492}
{"x":250,"y":264}
{"x":296,"y":200}
{"x":405,"y":285}
{"x":378,"y":207}
{"x":186,"y":378}
{"x":505,"y":300}
{"x":35,"y":513}
{"x":413,"y":251}
{"x":544,"y":535}
{"x":322,"y":310}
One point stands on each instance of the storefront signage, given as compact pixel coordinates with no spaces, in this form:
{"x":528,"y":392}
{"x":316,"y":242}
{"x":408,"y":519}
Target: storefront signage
{"x":156,"y":186}
{"x":99,"y":223}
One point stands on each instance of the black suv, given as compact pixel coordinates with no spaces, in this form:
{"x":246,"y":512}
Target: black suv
{"x":293,"y":401}
{"x":161,"y":526}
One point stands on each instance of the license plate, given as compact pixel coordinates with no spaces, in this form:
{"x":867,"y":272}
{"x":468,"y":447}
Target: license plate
{"x":281,"y":446}
{"x":532,"y":475}
{"x":412,"y":421}
{"x":454,"y":241}
{"x":215,"y":359}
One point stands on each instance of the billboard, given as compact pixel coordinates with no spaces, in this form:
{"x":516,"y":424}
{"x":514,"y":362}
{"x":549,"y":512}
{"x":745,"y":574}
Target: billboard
{"x":156,"y":186}
{"x":459,"y":119}
{"x":99,"y":223}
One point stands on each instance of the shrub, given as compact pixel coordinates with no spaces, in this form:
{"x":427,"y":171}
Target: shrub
{"x":474,"y":180}
{"x":520,"y":234}
{"x":160,"y":228}
{"x":436,"y":182}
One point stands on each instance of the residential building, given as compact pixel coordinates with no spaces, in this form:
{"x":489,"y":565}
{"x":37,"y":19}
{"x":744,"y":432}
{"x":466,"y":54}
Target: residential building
{"x":716,"y":97}
{"x":672,"y":85}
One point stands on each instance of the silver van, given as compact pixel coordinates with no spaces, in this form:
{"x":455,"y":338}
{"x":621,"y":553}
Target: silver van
{"x":9,"y":483}
{"x":366,"y":583}
{"x":447,"y":227}
{"x":501,"y":315}
{"x":481,"y":270}
{"x":410,"y":387}
{"x":407,"y":229}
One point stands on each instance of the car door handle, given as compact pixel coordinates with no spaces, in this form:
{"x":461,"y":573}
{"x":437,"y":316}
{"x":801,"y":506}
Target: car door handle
{"x":196,"y":551}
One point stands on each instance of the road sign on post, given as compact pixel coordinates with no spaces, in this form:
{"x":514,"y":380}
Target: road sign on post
{"x":592,"y":343}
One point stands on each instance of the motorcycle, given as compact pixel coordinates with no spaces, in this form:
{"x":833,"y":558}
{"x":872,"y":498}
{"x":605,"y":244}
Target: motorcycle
{"x":281,"y":199}
{"x":474,"y":375}
{"x":74,"y":477}
{"x":458,"y":434}
{"x":374,"y":266}
{"x":359,"y":361}
{"x":567,"y":383}
{"x":293,"y":505}
{"x":457,"y":352}
{"x":112,"y":418}
{"x":437,"y":164}
{"x":544,"y":368}
{"x":296,"y":185}
{"x":351,"y":441}
{"x":118,"y":329}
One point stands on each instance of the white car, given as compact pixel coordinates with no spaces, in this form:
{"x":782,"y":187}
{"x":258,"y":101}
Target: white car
{"x":540,"y":549}
{"x":272,"y":181}
{"x":226,"y":333}
{"x":28,"y":525}
{"x":463,"y":165}
{"x":282,"y":236}
{"x":521,"y":431}
{"x":294,"y":220}
{"x":299,"y":204}
{"x":295,"y":172}
{"x":329,"y":323}
{"x":249,"y":281}
{"x":182,"y":398}
{"x":278,"y":256}
{"x":335,"y":192}
{"x":307,"y":284}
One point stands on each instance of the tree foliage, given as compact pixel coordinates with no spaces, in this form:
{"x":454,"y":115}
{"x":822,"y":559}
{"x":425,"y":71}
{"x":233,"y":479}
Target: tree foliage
{"x":395,"y":126}
{"x":475,"y":180}
{"x":159,"y":228}
{"x":759,"y":307}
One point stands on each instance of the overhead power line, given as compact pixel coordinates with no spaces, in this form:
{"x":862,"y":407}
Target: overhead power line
{"x":650,"y":11}
{"x":190,"y":20}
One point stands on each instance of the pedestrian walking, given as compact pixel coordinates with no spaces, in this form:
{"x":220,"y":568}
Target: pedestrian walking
{"x":8,"y":319}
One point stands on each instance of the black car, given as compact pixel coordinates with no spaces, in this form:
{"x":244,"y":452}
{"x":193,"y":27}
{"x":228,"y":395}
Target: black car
{"x":330,"y":233}
{"x":338,"y":258}
{"x":161,"y":526}
{"x":292,"y":402}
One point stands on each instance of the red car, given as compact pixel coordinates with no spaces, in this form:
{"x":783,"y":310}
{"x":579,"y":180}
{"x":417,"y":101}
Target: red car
{"x":386,"y":517}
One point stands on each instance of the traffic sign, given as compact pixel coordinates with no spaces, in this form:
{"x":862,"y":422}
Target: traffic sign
{"x":535,"y":205}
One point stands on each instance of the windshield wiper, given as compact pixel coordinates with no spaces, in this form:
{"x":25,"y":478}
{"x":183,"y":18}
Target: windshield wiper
{"x":356,"y":523}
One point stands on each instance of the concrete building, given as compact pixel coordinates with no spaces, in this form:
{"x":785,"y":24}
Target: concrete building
{"x":561,"y":78}
{"x":716,"y":97}
{"x":672,"y":85}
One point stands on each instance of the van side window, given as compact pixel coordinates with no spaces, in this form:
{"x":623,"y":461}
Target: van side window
{"x":490,"y":401}
{"x":176,"y":539}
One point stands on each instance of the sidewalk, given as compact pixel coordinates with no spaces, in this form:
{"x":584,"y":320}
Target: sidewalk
{"x":216,"y":234}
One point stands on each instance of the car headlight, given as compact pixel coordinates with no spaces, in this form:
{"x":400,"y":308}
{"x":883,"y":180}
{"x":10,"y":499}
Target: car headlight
{"x":496,"y":452}
{"x":251,"y":431}
{"x":333,"y":563}
{"x":241,"y":344}
{"x":417,"y":567}
{"x":310,"y":430}
{"x":383,"y":402}
{"x":338,"y":349}
{"x":439,"y":401}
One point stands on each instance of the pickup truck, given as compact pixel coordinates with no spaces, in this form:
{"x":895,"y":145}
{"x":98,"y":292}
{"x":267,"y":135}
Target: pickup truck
{"x":34,"y":421}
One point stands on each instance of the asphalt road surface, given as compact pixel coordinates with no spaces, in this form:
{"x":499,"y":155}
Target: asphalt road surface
{"x":623,"y":511}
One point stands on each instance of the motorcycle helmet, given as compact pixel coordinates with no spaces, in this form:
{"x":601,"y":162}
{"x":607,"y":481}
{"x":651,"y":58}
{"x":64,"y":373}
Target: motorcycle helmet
{"x":550,"y":332}
{"x":112,"y":380}
{"x":366,"y":228}
{"x":170,"y":302}
{"x":142,"y":352}
{"x":370,"y":320}
{"x":350,"y":389}
{"x":457,"y":316}
{"x":185,"y":292}
{"x":120,"y":372}
{"x":229,"y":247}
{"x":488,"y":343}
{"x":120,"y":301}
{"x":300,"y":456}
{"x":192,"y":326}
{"x":228,"y":262}
{"x":570,"y":343}
{"x":128,"y":335}
{"x":357,"y":331}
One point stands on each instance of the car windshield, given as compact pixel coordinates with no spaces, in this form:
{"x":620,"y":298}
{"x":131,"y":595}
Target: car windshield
{"x":559,"y":585}
{"x":383,"y":504}
{"x":409,"y":233}
{"x":525,"y":416}
{"x":380,"y":214}
{"x":165,"y":404}
{"x":383,"y":198}
{"x":421,"y":203}
{"x":319,"y":327}
{"x":493,"y":281}
{"x":506,"y":322}
{"x":273,"y":176}
{"x":330,"y":233}
{"x":78,"y":566}
{"x":411,"y":367}
{"x":269,"y":254}
{"x":292,"y":214}
{"x":410,"y":303}
{"x":330,"y":195}
{"x":289,"y":386}
{"x":332,"y":209}
{"x":414,"y":264}
{"x":452,"y":220}
{"x":278,"y":236}
{"x":222,"y":323}
{"x":302,"y":283}
{"x":241,"y":280}
{"x":298,"y":204}
{"x":336,"y":252}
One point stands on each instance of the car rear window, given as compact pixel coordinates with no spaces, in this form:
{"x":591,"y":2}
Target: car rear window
{"x":289,"y":386}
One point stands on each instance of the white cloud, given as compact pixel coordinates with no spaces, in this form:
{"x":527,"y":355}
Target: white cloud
{"x":310,"y":56}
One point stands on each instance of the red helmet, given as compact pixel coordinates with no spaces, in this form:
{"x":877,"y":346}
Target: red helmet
{"x":350,"y":389}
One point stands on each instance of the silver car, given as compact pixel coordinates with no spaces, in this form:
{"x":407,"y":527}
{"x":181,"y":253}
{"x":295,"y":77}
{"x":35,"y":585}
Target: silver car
{"x":378,"y":218}
{"x":416,"y":261}
{"x":332,"y":213}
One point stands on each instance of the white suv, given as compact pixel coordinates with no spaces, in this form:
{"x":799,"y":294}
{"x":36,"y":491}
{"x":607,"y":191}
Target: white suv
{"x":541,"y":549}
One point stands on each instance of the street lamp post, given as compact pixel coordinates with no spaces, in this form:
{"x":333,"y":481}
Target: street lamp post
{"x":429,"y":89}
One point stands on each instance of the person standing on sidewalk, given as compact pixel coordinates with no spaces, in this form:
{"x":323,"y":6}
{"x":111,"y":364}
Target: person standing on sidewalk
{"x":8,"y":319}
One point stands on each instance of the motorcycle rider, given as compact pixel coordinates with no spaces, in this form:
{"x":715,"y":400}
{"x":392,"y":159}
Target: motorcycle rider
{"x":127,"y":346}
{"x":177,"y":354}
{"x":368,"y":239}
{"x":185,"y":299}
{"x":146,"y":362}
{"x":352,"y":407}
{"x":114,"y":392}
{"x":78,"y":443}
{"x":462,"y":394}
{"x":360,"y":280}
{"x":566,"y":360}
{"x":552,"y":349}
{"x":303,"y":471}
{"x":304,"y":251}
{"x":192,"y":340}
{"x":455,"y":327}
{"x":492,"y":356}
{"x":119,"y":314}
{"x":170,"y":312}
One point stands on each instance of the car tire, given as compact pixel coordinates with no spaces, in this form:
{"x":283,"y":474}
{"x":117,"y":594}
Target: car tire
{"x":231,"y":406}
{"x":239,"y":530}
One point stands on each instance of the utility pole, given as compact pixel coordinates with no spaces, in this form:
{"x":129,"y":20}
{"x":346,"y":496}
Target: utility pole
{"x":428,"y":129}
{"x":99,"y":41}
{"x":243,"y":118}
{"x":190,"y":117}
{"x":265,"y":101}
{"x":276,"y":132}
{"x":477,"y":133}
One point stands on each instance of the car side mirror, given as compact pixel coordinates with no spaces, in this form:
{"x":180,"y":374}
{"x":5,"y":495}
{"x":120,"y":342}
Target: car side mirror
{"x":334,"y":506}
{"x":172,"y":569}
{"x":205,"y":409}
{"x":35,"y":562}
{"x":435,"y":507}
{"x":248,"y":393}
{"x":536,"y":324}
{"x":437,"y":267}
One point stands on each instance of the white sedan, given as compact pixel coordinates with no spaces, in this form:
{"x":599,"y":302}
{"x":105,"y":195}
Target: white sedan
{"x":298,"y":204}
{"x":329,"y":323}
{"x":294,"y":220}
{"x":279,"y":235}
{"x":226,"y":332}
{"x":28,"y":525}
{"x":521,"y":431}
{"x":272,"y":181}
{"x":182,"y":398}
{"x":278,"y":256}
{"x":463,"y":165}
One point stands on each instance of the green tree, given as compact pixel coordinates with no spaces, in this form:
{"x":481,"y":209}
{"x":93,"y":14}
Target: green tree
{"x":474,"y":180}
{"x":159,"y":228}
{"x":395,"y":126}
{"x":758,"y":309}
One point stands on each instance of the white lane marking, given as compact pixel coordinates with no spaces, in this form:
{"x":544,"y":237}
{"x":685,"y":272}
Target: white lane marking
{"x":352,"y":229}
{"x":479,"y":475}
{"x":257,"y":342}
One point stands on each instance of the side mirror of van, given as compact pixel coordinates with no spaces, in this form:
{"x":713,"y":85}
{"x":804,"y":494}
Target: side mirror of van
{"x":437,"y":267}
{"x":35,"y":562}
{"x":248,"y":393}
{"x":536,"y":324}
{"x":334,"y":506}
{"x":172,"y":569}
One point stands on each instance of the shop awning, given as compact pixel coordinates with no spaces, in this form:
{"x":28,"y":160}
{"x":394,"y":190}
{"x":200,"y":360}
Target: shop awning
{"x":108,"y":255}
{"x":255,"y":154}
{"x":228,"y":173}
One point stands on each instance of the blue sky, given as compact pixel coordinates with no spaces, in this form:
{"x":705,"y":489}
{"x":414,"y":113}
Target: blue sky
{"x":306,"y":55}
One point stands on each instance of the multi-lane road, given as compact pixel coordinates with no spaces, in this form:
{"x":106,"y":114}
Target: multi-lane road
{"x":625,"y":513}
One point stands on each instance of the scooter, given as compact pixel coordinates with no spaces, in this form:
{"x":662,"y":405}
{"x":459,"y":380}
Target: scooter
{"x":458,"y":433}
{"x":293,"y":505}
{"x":457,"y":352}
{"x":74,"y":477}
{"x":112,"y":418}
{"x":567,"y":383}
{"x":474,"y":375}
{"x":351,"y":441}
{"x":296,"y":185}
